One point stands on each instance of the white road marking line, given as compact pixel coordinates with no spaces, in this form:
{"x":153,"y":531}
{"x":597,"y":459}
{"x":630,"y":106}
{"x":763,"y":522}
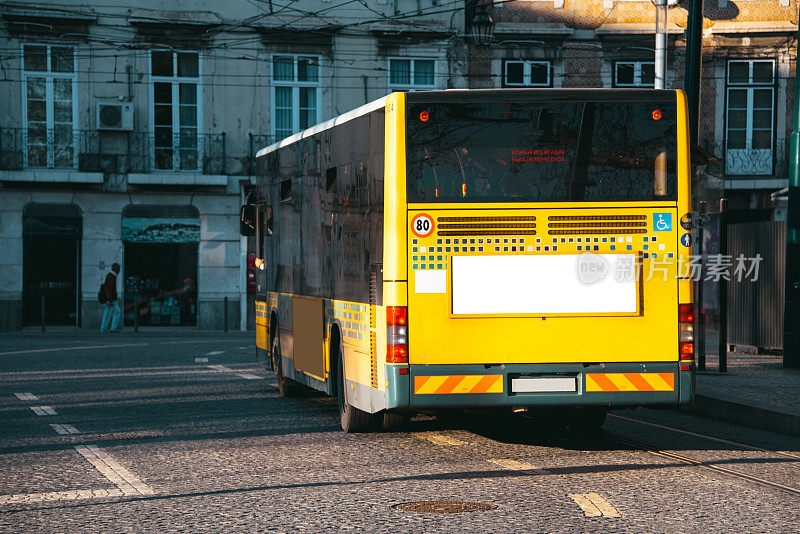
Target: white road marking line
{"x":65,"y":429}
{"x":126,"y":481}
{"x":201,"y":360}
{"x":71,"y":495}
{"x":514,"y":465}
{"x":604,"y":506}
{"x":593,"y":505}
{"x":26,"y":396}
{"x":205,"y":341}
{"x":59,"y":349}
{"x":438,"y":439}
{"x":214,"y":352}
{"x":132,"y":479}
{"x":43,"y":410}
{"x":223,"y":369}
{"x":248,"y":376}
{"x":588,"y":507}
{"x":245,"y":348}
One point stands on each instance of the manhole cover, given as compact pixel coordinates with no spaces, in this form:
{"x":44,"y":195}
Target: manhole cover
{"x":444,"y":507}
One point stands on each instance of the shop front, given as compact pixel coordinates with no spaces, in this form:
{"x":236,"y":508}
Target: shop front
{"x":160,"y":265}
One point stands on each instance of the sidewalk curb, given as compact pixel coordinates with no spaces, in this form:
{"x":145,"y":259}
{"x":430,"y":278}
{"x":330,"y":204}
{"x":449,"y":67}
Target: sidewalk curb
{"x":744,"y":414}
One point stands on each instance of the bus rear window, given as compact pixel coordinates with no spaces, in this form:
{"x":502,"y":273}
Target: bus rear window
{"x":541,"y":152}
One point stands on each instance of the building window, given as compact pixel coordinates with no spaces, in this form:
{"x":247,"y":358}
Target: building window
{"x":407,"y":74}
{"x":295,"y":94}
{"x":750,"y":117}
{"x":527,"y":74}
{"x":634,"y":74}
{"x":175,"y":78}
{"x":49,"y":86}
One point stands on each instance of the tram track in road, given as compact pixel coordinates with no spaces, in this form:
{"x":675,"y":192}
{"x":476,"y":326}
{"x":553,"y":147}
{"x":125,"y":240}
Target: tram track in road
{"x":705,"y":464}
{"x":709,"y":465}
{"x":711,"y":438}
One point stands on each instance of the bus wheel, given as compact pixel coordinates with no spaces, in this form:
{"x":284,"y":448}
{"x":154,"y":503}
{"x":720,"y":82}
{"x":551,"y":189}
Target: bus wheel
{"x":286,"y":387}
{"x":587,"y":421}
{"x":352,"y":419}
{"x":392,"y":422}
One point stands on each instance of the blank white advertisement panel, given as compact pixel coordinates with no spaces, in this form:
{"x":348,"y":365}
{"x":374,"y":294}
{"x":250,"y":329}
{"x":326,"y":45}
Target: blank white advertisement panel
{"x":544,"y":284}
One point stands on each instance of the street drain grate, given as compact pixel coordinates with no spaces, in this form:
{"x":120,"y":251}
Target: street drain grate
{"x":444,"y":507}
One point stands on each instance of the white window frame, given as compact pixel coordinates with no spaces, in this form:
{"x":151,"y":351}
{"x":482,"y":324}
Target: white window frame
{"x":50,"y":102}
{"x":175,"y":82}
{"x":637,"y":73}
{"x":411,"y":86}
{"x":295,"y":85}
{"x":526,"y":72}
{"x":757,"y":161}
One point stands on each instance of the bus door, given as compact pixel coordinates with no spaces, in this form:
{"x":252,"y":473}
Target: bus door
{"x":307,"y":335}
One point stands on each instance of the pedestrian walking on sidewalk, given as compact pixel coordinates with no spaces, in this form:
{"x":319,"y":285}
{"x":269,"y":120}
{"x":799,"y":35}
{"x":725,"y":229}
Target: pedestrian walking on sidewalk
{"x":111,"y":310}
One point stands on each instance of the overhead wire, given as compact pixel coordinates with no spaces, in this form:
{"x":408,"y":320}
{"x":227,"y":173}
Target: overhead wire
{"x":231,"y":48}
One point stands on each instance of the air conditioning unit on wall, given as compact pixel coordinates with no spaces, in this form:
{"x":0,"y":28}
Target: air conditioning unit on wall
{"x":114,"y":116}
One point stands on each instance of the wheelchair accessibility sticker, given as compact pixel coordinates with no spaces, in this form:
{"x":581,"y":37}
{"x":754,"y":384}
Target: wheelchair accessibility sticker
{"x":662,"y":222}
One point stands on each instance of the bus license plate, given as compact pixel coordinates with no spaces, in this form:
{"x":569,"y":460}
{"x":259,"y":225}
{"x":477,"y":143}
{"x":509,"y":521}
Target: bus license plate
{"x":544,"y":384}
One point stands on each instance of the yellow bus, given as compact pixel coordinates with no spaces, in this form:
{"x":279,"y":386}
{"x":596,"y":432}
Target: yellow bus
{"x":479,"y":249}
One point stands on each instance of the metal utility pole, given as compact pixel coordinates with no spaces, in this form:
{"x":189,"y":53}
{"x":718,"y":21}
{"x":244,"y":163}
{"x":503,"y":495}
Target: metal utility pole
{"x":700,"y":329}
{"x":694,"y":55}
{"x":661,"y":44}
{"x":723,"y":288}
{"x":791,"y":309}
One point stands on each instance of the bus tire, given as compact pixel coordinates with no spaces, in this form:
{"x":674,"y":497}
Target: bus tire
{"x":352,"y":419}
{"x":286,"y":387}
{"x":587,"y":421}
{"x":393,"y":421}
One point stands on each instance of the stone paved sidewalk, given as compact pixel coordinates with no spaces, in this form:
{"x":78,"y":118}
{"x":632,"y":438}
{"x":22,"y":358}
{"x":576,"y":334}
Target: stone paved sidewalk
{"x":756,"y":391}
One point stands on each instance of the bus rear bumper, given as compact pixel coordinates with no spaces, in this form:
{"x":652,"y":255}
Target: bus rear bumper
{"x":530,"y":385}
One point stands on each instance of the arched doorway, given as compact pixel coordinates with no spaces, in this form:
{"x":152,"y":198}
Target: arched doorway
{"x":51,"y":259}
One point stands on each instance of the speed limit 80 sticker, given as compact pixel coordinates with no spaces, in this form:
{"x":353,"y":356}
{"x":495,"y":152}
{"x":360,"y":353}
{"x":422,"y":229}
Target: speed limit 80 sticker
{"x":422,"y":225}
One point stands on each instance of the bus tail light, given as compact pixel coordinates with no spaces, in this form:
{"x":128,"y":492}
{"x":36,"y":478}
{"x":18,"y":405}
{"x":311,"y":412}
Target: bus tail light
{"x":686,"y":332}
{"x":396,"y":334}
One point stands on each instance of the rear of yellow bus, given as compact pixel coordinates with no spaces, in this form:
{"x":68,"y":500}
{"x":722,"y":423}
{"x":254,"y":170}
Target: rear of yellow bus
{"x":543,"y":237}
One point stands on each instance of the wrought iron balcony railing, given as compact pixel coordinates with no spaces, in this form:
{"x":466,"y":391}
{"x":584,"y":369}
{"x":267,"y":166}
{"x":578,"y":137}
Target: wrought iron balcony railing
{"x":136,"y":152}
{"x":54,"y":149}
{"x":257,"y":142}
{"x":187,"y":152}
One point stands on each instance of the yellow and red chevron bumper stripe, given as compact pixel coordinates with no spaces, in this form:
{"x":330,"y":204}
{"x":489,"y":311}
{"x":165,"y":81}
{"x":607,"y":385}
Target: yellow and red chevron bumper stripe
{"x":630,"y":382}
{"x":429,"y":385}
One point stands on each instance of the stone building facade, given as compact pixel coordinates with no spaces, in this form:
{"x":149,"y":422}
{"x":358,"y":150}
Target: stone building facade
{"x":127,"y":134}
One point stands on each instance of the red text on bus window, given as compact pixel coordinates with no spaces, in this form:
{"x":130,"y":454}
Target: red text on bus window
{"x":538,"y":155}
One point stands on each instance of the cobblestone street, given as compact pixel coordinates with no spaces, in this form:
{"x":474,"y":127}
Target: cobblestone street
{"x":159,"y":432}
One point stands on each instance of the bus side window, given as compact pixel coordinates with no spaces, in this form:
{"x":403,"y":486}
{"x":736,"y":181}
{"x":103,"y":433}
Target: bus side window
{"x":286,"y":191}
{"x":330,"y":180}
{"x":264,"y":227}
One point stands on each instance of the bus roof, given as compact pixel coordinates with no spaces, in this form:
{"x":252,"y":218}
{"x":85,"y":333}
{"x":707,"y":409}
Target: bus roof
{"x":480,"y":95}
{"x":537,"y":94}
{"x":350,"y":115}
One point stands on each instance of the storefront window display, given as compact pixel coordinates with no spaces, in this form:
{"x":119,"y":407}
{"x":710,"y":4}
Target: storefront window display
{"x":160,"y":266}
